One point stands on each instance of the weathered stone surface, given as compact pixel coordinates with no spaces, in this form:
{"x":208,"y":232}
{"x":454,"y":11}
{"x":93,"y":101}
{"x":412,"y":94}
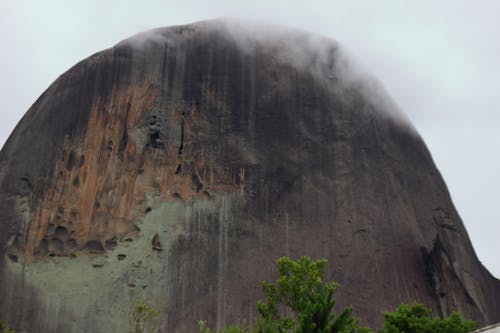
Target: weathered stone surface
{"x":180,"y":164}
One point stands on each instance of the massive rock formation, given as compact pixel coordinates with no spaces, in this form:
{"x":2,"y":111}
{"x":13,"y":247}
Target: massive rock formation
{"x":178,"y":165}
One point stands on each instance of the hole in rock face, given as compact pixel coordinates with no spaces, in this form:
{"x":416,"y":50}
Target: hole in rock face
{"x":177,"y":196}
{"x":148,"y":209}
{"x":93,"y":246}
{"x":76,"y":181}
{"x":121,"y":256}
{"x":61,"y":232}
{"x":13,"y":257}
{"x":155,"y":243}
{"x":154,"y":137}
{"x":82,"y":160}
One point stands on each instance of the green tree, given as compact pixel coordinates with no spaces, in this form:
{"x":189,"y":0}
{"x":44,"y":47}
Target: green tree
{"x":143,"y":317}
{"x":301,"y":290}
{"x":416,"y":318}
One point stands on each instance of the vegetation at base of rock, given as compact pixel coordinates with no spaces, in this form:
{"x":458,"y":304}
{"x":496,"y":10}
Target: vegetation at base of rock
{"x":301,"y":290}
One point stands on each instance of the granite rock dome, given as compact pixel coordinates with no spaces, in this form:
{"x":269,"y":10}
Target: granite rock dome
{"x":178,"y":165}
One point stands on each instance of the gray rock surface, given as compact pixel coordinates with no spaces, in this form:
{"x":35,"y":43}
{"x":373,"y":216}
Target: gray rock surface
{"x":178,"y":165}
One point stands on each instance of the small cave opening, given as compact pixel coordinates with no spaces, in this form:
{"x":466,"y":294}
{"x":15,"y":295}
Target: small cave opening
{"x":61,"y":232}
{"x":93,"y":246}
{"x":155,"y":243}
{"x":154,"y":138}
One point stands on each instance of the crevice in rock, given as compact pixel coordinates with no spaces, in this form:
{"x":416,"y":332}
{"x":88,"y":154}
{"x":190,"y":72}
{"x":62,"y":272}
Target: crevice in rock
{"x":124,"y":139}
{"x":178,"y":170}
{"x":82,"y":160}
{"x":198,"y":184}
{"x":181,"y":145}
{"x":110,"y":244}
{"x":71,"y":162}
{"x":76,"y":181}
{"x":448,"y":289}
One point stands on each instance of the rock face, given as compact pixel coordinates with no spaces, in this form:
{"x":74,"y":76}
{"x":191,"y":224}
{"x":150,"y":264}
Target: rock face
{"x":177,"y":166}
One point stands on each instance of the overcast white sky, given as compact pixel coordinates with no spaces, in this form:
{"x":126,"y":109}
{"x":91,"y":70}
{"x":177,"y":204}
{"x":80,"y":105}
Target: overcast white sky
{"x":440,"y":61}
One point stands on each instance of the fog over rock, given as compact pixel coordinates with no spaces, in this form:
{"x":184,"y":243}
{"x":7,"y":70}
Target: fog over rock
{"x":178,"y":165}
